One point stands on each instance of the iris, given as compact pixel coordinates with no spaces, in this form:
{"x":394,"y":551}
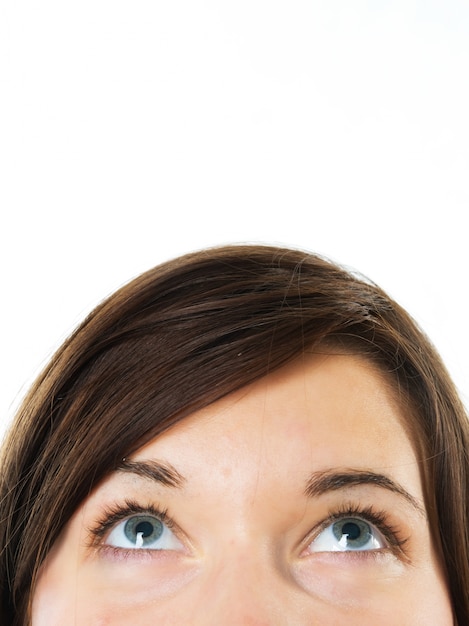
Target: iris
{"x":143,"y":530}
{"x":352,"y":533}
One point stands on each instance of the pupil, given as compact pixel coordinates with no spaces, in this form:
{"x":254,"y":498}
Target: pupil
{"x":351,"y":530}
{"x":146,"y":528}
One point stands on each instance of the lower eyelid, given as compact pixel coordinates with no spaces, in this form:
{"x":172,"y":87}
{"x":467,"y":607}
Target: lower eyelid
{"x":142,"y":555}
{"x":382,"y":557}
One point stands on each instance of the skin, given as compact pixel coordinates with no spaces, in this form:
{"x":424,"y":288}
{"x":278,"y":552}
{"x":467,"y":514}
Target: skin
{"x":251,"y":504}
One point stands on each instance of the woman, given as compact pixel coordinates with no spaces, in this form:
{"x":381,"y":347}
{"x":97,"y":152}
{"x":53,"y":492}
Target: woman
{"x":244,"y":435}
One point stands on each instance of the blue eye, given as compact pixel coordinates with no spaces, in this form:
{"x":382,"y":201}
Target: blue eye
{"x":349,"y":533}
{"x":143,"y":531}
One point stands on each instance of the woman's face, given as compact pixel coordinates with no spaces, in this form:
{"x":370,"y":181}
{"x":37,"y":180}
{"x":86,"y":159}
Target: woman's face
{"x":296,"y":500}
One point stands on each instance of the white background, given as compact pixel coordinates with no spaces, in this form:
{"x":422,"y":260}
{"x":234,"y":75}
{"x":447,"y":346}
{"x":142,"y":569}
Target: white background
{"x":133,"y":131}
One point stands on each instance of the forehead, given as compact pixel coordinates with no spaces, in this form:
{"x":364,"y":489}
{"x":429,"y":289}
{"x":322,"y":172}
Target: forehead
{"x":318,"y":412}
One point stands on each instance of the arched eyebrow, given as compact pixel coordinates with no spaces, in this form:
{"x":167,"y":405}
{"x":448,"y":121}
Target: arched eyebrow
{"x":323,"y":482}
{"x":162,"y":473}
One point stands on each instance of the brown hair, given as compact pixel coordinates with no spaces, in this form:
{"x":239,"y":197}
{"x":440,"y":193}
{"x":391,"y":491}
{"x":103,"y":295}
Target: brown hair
{"x":185,"y":334}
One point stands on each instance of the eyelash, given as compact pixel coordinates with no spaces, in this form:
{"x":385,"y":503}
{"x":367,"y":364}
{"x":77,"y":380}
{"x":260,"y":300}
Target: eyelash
{"x":379,"y":519}
{"x":119,"y":512}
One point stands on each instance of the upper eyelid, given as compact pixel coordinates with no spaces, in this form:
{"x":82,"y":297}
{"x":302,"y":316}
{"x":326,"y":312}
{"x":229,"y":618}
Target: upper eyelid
{"x":119,"y":513}
{"x":319,"y":482}
{"x":324,"y":482}
{"x":375,"y":520}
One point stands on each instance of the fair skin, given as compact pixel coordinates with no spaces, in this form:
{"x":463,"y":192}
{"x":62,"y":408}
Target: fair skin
{"x":296,"y":500}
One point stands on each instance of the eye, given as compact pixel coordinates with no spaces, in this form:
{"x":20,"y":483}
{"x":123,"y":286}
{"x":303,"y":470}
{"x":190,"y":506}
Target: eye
{"x":143,"y":532}
{"x":348,"y":533}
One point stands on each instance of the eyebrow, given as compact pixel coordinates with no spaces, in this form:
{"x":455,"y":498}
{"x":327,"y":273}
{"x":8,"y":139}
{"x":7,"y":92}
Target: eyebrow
{"x":320,"y":483}
{"x":162,"y":473}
